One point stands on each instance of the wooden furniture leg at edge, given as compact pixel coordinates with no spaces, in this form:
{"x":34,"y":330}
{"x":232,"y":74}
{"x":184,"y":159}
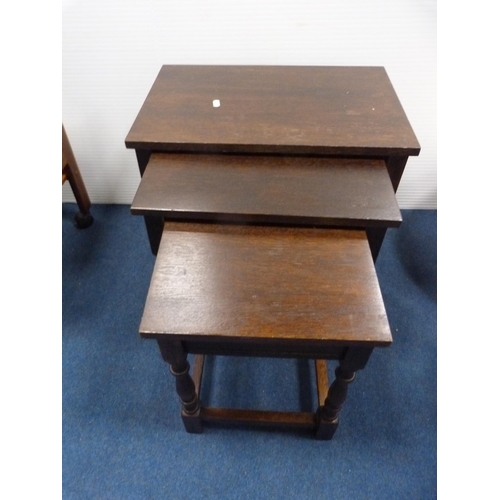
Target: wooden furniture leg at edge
{"x":328,"y":414}
{"x":395,"y":167}
{"x":71,"y":173}
{"x":173,"y":353}
{"x":324,"y":422}
{"x":154,"y":225}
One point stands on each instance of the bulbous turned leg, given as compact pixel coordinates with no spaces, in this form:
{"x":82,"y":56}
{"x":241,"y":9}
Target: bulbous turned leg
{"x":328,"y":414}
{"x":173,"y":353}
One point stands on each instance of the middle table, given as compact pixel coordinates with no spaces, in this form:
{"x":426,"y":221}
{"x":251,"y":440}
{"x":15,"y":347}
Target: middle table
{"x":332,"y":192}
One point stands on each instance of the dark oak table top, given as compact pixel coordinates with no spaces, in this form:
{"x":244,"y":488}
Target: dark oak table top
{"x":268,"y":189}
{"x":255,"y":283}
{"x":271,"y":109}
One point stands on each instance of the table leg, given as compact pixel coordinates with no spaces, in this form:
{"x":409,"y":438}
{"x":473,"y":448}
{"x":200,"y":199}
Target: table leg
{"x":376,"y":237}
{"x":173,"y":353}
{"x":328,"y":419}
{"x":327,"y":415}
{"x":395,"y":167}
{"x":154,"y":227}
{"x":83,"y":218}
{"x":154,"y":224}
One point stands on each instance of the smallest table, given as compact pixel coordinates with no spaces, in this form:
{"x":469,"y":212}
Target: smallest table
{"x":227,"y":289}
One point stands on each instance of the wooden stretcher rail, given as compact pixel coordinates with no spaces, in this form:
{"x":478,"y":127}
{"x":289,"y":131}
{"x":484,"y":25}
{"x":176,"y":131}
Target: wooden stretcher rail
{"x":259,"y":417}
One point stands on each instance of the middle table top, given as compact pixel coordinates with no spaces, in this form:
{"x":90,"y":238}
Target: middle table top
{"x":268,"y":189}
{"x":273,"y":109}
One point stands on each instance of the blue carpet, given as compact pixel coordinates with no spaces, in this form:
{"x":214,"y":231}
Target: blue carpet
{"x":122,"y":433}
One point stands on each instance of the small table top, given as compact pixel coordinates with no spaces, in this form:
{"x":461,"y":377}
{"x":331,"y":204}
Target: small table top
{"x":256,"y":283}
{"x":268,"y":189}
{"x":273,"y":109}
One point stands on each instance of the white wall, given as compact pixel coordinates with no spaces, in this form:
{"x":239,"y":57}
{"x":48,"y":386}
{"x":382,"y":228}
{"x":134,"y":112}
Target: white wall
{"x":113,"y":50}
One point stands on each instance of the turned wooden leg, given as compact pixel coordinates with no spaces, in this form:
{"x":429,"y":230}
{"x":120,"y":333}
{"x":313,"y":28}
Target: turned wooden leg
{"x":174,"y":355}
{"x":327,"y":416}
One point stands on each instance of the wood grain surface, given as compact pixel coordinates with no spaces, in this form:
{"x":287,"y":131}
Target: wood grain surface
{"x":219,"y":282}
{"x":273,"y":109}
{"x":268,"y":189}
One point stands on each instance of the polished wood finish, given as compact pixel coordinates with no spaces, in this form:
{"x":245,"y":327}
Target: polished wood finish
{"x":284,"y":110}
{"x":199,"y":362}
{"x":264,"y":290}
{"x":395,"y":167}
{"x":328,"y":413}
{"x":268,"y":189}
{"x":174,"y":354}
{"x":279,"y":348}
{"x":273,"y":109}
{"x":154,"y":225}
{"x":251,"y":283}
{"x":71,"y":173}
{"x":259,"y":417}
{"x":305,"y":420}
{"x":142,"y":156}
{"x":310,"y":149}
{"x":321,"y":380}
